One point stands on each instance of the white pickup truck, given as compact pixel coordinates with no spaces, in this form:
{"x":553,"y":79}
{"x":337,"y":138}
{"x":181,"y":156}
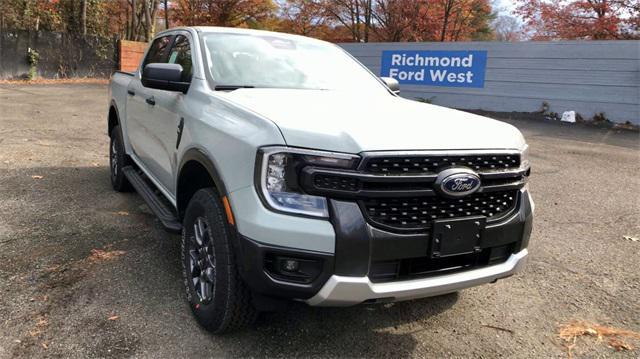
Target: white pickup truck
{"x":294,"y":173}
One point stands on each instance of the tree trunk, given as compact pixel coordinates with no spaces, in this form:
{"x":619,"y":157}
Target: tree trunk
{"x":83,"y":17}
{"x":127,"y":30}
{"x":368,"y":4}
{"x":154,"y":11}
{"x":445,"y":21}
{"x":147,"y":20}
{"x":134,"y":22}
{"x":166,"y":14}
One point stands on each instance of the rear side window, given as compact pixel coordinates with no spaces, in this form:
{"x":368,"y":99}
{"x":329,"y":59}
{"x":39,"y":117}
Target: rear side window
{"x":181,"y":54}
{"x":158,"y":51}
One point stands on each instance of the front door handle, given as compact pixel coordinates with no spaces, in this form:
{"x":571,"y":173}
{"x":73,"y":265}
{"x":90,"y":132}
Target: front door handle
{"x":151,"y":101}
{"x":131,"y":92}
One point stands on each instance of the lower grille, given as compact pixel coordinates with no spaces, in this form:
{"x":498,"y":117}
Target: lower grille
{"x":418,"y":212}
{"x":424,"y":267}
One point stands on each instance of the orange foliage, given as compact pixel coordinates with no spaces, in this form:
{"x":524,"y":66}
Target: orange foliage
{"x":581,"y":19}
{"x":235,"y":13}
{"x":333,"y":20}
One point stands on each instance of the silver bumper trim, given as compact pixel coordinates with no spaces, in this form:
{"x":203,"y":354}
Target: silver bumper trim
{"x":342,"y":291}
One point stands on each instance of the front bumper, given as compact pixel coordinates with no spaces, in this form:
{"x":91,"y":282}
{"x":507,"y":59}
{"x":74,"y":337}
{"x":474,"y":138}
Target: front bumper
{"x":345,"y":274}
{"x":342,"y":291}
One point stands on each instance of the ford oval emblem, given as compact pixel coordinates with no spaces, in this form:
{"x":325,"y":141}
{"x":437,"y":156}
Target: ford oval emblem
{"x":457,"y":182}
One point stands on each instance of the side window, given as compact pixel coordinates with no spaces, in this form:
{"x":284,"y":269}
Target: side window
{"x":181,"y":54}
{"x":158,"y":51}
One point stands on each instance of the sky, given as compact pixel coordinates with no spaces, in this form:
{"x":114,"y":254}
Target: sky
{"x":505,"y":6}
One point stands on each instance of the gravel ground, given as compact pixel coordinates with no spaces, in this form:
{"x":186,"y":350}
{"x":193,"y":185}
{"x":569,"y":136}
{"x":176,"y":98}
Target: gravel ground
{"x":60,"y":299}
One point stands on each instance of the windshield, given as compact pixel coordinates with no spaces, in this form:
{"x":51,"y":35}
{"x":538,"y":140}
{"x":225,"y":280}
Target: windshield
{"x":247,"y":60}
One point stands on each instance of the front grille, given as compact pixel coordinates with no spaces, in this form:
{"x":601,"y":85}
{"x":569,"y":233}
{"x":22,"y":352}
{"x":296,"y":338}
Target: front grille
{"x":418,"y":212}
{"x":431,"y":164}
{"x":336,"y":183}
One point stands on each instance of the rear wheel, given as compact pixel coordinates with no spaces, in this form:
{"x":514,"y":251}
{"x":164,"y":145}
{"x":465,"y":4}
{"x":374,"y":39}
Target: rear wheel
{"x":118,"y":159}
{"x":219,"y":299}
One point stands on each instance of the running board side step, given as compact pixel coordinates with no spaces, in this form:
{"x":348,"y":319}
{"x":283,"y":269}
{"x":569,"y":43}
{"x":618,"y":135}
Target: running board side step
{"x":159,"y":208}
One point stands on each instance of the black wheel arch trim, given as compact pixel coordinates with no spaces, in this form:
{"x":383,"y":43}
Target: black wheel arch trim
{"x":113,"y":105}
{"x":198,"y":155}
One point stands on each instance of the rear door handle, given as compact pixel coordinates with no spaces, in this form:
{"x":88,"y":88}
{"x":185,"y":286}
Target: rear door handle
{"x":151,"y":101}
{"x":131,"y":92}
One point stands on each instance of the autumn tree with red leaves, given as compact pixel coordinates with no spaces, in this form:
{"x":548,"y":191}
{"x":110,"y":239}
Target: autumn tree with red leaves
{"x":398,"y":20}
{"x":233,"y":13}
{"x":333,"y":20}
{"x":580,"y":19}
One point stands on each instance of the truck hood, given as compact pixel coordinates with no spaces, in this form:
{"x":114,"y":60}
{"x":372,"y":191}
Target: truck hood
{"x":352,"y":123}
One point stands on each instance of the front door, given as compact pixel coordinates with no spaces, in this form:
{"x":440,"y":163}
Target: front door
{"x":155,"y":114}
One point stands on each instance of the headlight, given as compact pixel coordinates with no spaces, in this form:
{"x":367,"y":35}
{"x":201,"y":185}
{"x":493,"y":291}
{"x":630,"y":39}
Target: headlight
{"x":278,"y":169}
{"x":524,"y":157}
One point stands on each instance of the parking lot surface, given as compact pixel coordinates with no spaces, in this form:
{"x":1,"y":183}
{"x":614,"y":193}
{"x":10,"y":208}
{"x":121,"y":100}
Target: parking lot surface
{"x":88,"y":272}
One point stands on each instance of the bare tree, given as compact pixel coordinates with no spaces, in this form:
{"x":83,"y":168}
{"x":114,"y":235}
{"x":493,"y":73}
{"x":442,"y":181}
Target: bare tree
{"x":507,"y":28}
{"x":143,"y":16}
{"x":355,"y":15}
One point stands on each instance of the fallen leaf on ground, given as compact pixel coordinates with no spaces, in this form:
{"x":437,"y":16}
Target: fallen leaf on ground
{"x":40,"y":326}
{"x":122,"y":213}
{"x":101,"y":255}
{"x":619,"y":345}
{"x":37,"y":177}
{"x":572,"y":331}
{"x":114,"y":317}
{"x":96,"y":164}
{"x":42,"y":322}
{"x":632,"y":239}
{"x":44,"y":345}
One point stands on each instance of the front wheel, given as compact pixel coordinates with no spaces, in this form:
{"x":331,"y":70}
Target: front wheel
{"x":218,"y":297}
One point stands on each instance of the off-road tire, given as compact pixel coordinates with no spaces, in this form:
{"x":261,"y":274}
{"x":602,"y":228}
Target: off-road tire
{"x":118,"y":159}
{"x":230,"y":307}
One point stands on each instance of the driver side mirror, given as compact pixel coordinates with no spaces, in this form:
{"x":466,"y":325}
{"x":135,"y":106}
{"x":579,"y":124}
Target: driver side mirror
{"x":392,"y":84}
{"x":163,"y":76}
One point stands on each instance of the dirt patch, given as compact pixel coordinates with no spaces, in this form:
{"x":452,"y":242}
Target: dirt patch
{"x":58,"y":282}
{"x":98,"y":255}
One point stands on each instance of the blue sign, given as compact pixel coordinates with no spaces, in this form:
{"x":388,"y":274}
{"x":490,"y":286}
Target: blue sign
{"x":435,"y":68}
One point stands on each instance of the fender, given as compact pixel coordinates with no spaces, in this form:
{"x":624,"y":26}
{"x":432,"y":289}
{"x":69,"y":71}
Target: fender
{"x":195,"y":154}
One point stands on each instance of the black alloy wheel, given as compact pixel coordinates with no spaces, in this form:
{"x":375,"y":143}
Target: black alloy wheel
{"x":202,"y":261}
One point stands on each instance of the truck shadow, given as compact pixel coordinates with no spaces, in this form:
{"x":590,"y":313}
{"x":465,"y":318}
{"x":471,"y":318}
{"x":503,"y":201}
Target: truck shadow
{"x":359,"y":331}
{"x":63,"y":213}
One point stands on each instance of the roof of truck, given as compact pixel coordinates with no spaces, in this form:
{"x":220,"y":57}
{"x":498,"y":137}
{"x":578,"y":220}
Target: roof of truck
{"x":235,"y":30}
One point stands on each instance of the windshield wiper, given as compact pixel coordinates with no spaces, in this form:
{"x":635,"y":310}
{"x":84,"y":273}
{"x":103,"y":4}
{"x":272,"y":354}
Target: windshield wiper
{"x":231,"y":87}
